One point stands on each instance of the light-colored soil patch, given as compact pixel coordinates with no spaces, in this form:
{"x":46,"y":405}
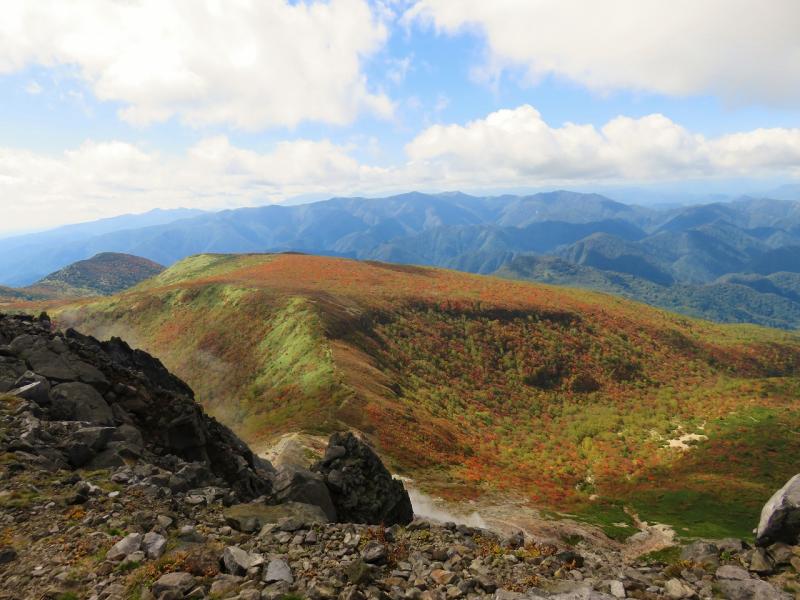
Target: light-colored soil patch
{"x":683,"y":442}
{"x":293,"y":449}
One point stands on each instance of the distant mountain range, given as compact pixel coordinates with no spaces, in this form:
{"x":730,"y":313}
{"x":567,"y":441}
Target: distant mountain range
{"x":26,"y":259}
{"x":734,"y":261}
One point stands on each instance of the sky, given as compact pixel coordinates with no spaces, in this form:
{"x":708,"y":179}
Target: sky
{"x":119,"y":106}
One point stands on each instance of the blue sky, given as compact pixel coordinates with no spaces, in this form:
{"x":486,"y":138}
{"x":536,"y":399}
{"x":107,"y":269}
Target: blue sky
{"x":238,"y":103}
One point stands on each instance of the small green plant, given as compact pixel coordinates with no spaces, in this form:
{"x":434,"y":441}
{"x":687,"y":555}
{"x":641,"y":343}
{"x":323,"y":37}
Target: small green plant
{"x":666,"y":556}
{"x":726,"y":556}
{"x":127,"y":567}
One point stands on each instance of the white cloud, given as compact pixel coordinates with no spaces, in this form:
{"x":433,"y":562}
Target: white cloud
{"x":511,"y":148}
{"x":249,"y":64}
{"x":740,"y":50}
{"x":517,"y":147}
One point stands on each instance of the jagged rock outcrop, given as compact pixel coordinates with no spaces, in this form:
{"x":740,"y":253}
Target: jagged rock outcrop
{"x":361,"y":488}
{"x":780,"y":517}
{"x":99,"y":404}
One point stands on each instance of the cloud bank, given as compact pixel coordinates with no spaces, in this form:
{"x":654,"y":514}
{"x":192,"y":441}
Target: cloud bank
{"x":518,"y":147}
{"x":507,"y":148}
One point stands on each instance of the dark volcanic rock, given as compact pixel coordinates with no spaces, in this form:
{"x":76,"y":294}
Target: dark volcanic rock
{"x":300,"y":485}
{"x":11,"y":369}
{"x":32,"y":387}
{"x":361,"y":488}
{"x":135,"y":410}
{"x":77,"y":401}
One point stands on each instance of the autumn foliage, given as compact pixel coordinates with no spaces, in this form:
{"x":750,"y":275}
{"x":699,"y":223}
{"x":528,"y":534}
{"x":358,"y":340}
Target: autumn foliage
{"x":470,"y":383}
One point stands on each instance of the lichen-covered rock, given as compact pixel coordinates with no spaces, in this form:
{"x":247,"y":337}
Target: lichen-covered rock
{"x":361,"y":488}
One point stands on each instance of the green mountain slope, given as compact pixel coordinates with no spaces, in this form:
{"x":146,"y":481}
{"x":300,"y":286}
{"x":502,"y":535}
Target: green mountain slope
{"x":103,"y":274}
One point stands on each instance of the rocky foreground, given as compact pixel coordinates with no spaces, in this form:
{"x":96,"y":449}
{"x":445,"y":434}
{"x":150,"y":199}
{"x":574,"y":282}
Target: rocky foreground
{"x":115,"y":484}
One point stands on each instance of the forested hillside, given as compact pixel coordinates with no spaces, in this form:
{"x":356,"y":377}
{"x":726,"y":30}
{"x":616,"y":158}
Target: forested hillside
{"x":474,"y":384}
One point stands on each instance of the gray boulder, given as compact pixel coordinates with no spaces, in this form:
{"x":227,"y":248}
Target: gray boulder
{"x":292,"y":484}
{"x":96,"y":438}
{"x":80,"y":402}
{"x":732,"y":572}
{"x":781,"y":553}
{"x":780,"y":517}
{"x":114,"y":455}
{"x":154,"y":545}
{"x":128,"y":433}
{"x":677,"y":589}
{"x":374,"y":553}
{"x":761,"y":562}
{"x":88,"y":373}
{"x":702,"y":553}
{"x":49,"y":364}
{"x":750,"y":589}
{"x":237,"y":561}
{"x":127,"y":545}
{"x":173,"y":583}
{"x":278,"y":570}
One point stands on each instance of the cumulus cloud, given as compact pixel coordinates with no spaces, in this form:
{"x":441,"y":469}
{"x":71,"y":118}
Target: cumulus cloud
{"x":517,"y":147}
{"x":248,"y":64}
{"x":509,"y":148}
{"x":740,"y":50}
